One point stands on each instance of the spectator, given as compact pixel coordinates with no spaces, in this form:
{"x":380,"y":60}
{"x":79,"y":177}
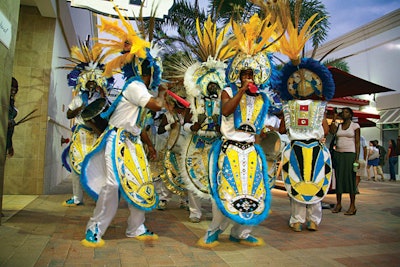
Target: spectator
{"x":382,"y":158}
{"x":12,"y":114}
{"x":373,"y":160}
{"x":392,"y":157}
{"x":346,"y":154}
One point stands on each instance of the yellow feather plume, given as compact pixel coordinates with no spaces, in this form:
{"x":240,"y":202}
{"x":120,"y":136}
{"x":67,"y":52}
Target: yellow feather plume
{"x":130,"y":44}
{"x":293,"y":42}
{"x":212,"y":45}
{"x":85,"y":54}
{"x":256,"y":35}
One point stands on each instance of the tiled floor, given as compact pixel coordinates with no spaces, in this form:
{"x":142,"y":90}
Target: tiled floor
{"x":38,"y":231}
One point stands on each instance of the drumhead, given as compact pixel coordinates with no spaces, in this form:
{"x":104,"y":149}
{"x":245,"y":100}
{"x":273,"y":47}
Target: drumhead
{"x":94,"y":109}
{"x":173,"y":135}
{"x":271,"y":145}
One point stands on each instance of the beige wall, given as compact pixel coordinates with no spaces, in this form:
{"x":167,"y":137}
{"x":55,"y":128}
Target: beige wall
{"x":32,"y":68}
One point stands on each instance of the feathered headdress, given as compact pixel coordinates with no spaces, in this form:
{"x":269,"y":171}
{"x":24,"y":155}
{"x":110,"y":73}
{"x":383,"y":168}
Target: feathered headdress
{"x":87,"y":65}
{"x":302,"y":77}
{"x":132,"y":47}
{"x":212,"y":49}
{"x":129,"y":44}
{"x":253,"y":41}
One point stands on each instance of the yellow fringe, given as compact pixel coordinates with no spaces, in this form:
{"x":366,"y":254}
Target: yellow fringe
{"x":147,"y":237}
{"x":89,"y":244}
{"x":203,"y":244}
{"x":260,"y":242}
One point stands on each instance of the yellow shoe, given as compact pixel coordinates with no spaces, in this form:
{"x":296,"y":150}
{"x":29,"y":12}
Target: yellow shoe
{"x":249,"y":241}
{"x":296,"y":227}
{"x":203,"y":244}
{"x":71,"y":203}
{"x":90,"y":244}
{"x":312,"y":226}
{"x":147,"y":236}
{"x":211,"y":240}
{"x":92,"y":239}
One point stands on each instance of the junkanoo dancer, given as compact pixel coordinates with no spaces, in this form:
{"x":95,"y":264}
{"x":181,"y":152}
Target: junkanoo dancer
{"x":118,"y":164}
{"x":238,"y":169}
{"x":203,"y":79}
{"x":172,"y":120}
{"x":306,"y":87}
{"x":89,"y":84}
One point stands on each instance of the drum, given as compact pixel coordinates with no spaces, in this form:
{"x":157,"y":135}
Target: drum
{"x":272,"y":145}
{"x":91,"y":115}
{"x":173,"y":135}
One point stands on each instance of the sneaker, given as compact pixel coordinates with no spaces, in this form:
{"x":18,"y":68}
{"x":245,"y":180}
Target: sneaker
{"x":147,"y":236}
{"x":71,"y":203}
{"x":92,"y":240}
{"x":312,"y":226}
{"x":194,"y":220}
{"x":211,"y":240}
{"x":162,"y":205}
{"x":297,"y":227}
{"x":249,"y":241}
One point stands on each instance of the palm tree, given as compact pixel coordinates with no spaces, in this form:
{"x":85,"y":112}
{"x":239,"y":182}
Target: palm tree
{"x":309,"y":8}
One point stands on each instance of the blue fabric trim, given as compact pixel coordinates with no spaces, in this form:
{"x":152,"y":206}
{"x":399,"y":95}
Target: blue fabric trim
{"x":275,"y":79}
{"x":64,"y":158}
{"x":237,"y":117}
{"x":107,"y":114}
{"x":328,"y":84}
{"x":85,"y":162}
{"x":259,"y":123}
{"x":157,"y":72}
{"x":85,"y":97}
{"x":72,"y":77}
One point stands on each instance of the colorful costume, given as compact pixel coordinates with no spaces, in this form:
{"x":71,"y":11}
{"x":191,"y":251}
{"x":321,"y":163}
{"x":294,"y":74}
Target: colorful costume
{"x":171,"y":179}
{"x":306,"y":161}
{"x":117,"y":165}
{"x":205,"y":110}
{"x":237,"y":169}
{"x":87,"y":79}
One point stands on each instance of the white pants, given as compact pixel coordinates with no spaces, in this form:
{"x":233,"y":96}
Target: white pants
{"x":107,"y":203}
{"x":220,"y":222}
{"x":162,"y":190}
{"x":305,"y":212}
{"x":194,"y":205}
{"x":77,"y":191}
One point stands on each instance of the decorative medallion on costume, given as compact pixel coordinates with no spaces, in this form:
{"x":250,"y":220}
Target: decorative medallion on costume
{"x":130,"y":161}
{"x":130,"y":165}
{"x":82,"y":142}
{"x":89,"y":84}
{"x":306,"y":163}
{"x":238,"y":170}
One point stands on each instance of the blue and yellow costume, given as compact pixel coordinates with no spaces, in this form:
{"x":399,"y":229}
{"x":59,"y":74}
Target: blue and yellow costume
{"x":306,"y":161}
{"x":238,"y":170}
{"x":117,"y":165}
{"x":88,"y":71}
